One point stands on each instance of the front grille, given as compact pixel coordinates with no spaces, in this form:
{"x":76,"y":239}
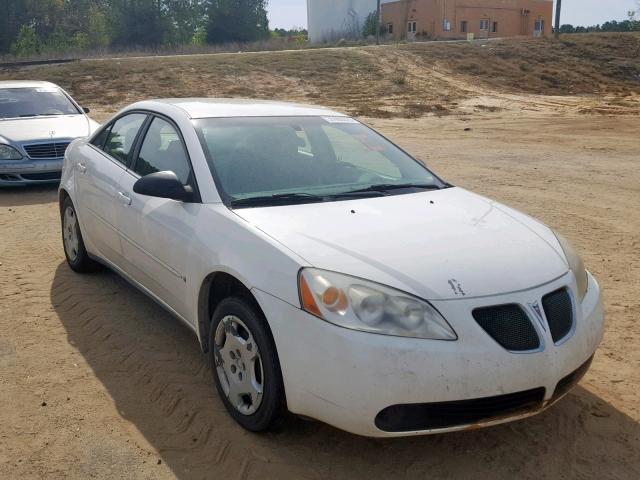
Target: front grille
{"x":568,"y":382}
{"x":46,"y":150}
{"x":559,"y":311}
{"x":509,"y":326}
{"x":427,"y":416}
{"x":41,"y":176}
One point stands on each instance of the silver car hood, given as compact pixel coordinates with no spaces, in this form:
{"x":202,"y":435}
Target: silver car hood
{"x":22,"y":130}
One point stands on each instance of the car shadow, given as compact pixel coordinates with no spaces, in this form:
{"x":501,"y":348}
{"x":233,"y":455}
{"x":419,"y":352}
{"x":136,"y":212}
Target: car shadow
{"x":159,"y":380}
{"x":20,"y":196}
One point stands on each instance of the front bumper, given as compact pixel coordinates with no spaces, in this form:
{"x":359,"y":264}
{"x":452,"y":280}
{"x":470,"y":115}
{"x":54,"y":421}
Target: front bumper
{"x":28,"y":171}
{"x":347,"y":378}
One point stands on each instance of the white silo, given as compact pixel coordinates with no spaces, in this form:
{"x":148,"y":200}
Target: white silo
{"x":331,"y":20}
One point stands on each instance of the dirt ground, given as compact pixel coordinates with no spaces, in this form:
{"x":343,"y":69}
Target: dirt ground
{"x":96,"y":381}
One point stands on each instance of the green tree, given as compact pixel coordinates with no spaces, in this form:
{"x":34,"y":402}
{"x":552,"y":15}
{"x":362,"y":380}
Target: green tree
{"x":27,"y":42}
{"x":185,"y":20}
{"x":199,"y":36}
{"x":138,"y":22}
{"x":567,"y":28}
{"x":98,"y":27}
{"x":237,"y":21}
{"x":370,"y":25}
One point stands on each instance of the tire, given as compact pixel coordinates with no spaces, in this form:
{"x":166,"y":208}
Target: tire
{"x":72,"y":242}
{"x":235,"y":368}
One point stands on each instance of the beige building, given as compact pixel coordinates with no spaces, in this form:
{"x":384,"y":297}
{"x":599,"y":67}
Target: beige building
{"x":453,"y":19}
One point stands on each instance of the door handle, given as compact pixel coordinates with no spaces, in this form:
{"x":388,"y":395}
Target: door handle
{"x":82,"y":168}
{"x":124,"y":198}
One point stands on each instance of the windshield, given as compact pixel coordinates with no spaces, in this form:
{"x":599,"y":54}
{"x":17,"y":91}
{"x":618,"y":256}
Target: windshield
{"x":34,"y":102}
{"x":273,"y":160}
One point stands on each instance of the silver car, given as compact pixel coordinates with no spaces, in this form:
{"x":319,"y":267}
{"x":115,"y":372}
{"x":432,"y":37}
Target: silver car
{"x":38,"y":120}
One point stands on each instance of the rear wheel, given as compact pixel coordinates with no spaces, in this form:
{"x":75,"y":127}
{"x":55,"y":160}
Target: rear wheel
{"x":245,"y":365}
{"x":74,"y":249}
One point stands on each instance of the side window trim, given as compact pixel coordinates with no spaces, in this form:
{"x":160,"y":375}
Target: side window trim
{"x":106,"y":129}
{"x":137,"y":144}
{"x":140,"y":140}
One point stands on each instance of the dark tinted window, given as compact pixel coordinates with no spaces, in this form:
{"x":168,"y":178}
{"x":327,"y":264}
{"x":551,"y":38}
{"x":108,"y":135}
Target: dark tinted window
{"x":123,"y":135}
{"x":100,"y":139}
{"x":309,"y":155}
{"x":162,"y":150}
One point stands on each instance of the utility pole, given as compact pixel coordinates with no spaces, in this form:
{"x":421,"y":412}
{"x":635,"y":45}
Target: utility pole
{"x":558,"y":8}
{"x":378,"y":24}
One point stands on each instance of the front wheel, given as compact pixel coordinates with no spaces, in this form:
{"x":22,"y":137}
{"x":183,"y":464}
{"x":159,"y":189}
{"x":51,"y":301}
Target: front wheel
{"x":245,"y":365}
{"x":74,"y":249}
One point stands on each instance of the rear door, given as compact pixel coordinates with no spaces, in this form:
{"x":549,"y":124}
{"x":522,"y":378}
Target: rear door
{"x":156,"y":232}
{"x":102,"y":164}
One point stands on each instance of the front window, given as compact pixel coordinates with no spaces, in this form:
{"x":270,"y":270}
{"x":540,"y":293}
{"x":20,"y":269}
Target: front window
{"x":275,"y":160}
{"x":35,"y":102}
{"x":162,"y":150}
{"x":484,"y":25}
{"x":122,"y":136}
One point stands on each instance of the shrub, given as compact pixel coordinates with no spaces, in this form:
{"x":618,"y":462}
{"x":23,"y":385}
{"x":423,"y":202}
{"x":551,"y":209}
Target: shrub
{"x":27,"y":42}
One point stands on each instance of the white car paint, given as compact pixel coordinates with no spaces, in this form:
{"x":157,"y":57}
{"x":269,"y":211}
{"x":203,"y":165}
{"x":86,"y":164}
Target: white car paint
{"x":21,"y":132}
{"x":456,"y":249}
{"x":472,"y":239}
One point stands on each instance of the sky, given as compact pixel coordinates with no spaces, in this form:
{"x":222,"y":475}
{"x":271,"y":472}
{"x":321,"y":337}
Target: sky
{"x":293,"y":13}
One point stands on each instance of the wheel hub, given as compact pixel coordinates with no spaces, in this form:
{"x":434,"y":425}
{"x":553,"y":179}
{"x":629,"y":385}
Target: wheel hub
{"x":238,"y":365}
{"x":70,"y":233}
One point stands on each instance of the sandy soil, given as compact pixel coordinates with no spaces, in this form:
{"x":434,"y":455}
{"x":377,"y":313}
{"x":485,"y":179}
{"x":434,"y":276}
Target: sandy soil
{"x":98,"y":381}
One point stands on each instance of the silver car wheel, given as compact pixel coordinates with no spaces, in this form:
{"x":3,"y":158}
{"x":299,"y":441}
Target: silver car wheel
{"x":238,"y":365}
{"x":70,"y":233}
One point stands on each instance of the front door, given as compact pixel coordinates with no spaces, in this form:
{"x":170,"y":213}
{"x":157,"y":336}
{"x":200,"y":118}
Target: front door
{"x":538,"y":30}
{"x":411,"y":29}
{"x":98,"y":173}
{"x":157,"y":232}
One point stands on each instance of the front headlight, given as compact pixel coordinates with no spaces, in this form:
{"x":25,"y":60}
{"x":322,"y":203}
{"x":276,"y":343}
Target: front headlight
{"x":7,"y":152}
{"x":357,"y":304}
{"x":575,"y":264}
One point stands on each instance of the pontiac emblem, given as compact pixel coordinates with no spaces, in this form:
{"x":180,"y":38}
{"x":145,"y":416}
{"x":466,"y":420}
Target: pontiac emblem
{"x":535,"y":306}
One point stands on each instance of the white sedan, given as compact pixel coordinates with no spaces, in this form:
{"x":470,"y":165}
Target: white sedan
{"x":328,"y":273}
{"x":38,"y":120}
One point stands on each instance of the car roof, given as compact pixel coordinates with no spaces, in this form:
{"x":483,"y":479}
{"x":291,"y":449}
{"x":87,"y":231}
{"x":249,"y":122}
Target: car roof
{"x":26,"y":84}
{"x":234,"y":107}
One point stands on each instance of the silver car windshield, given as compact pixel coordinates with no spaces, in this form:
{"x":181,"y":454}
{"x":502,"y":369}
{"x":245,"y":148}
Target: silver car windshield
{"x":34,"y":102}
{"x":261,"y":161}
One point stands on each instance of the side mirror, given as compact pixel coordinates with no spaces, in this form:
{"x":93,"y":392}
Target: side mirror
{"x":163,"y":185}
{"x":85,"y":110}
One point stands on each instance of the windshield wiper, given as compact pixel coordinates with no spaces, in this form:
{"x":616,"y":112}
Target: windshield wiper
{"x":277,"y":199}
{"x":359,"y":194}
{"x":385,"y":187}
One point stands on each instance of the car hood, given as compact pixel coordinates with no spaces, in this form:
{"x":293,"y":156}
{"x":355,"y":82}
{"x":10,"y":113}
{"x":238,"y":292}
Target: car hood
{"x":41,"y":128}
{"x":438,"y":245}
